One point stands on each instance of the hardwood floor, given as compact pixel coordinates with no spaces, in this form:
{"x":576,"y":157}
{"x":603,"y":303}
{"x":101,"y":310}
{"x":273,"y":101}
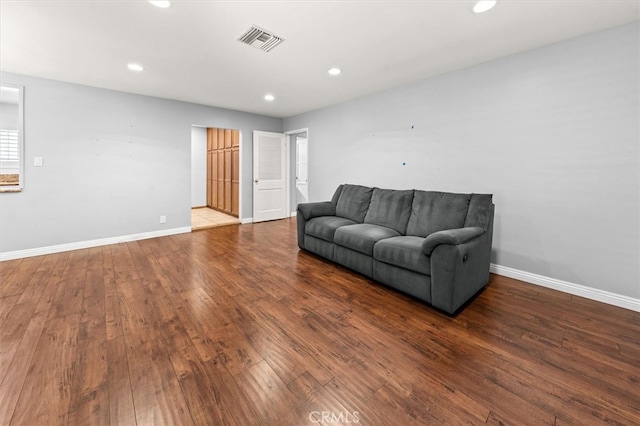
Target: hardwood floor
{"x":235,"y":325}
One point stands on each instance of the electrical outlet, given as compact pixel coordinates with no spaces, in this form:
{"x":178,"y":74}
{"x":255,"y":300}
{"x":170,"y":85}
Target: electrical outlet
{"x":163,"y":219}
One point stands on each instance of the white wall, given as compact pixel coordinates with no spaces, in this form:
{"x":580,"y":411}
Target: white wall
{"x":553,"y":133}
{"x":113,"y":163}
{"x":198,"y":166}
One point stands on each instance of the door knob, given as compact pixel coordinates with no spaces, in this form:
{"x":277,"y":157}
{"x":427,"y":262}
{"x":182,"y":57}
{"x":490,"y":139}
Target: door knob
{"x":256,"y":180}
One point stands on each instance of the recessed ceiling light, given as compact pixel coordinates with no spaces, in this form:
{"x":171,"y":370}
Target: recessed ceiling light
{"x":160,"y":3}
{"x":335,"y":71}
{"x":484,"y":5}
{"x":135,"y":67}
{"x":269,"y":97}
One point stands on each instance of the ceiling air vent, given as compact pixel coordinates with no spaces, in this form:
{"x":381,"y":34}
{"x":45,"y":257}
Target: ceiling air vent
{"x":260,"y":38}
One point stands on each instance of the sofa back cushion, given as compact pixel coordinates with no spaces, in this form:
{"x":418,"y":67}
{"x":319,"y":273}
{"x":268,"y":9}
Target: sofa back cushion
{"x":353,"y":202}
{"x":390,"y":208}
{"x":480,"y":210}
{"x":336,"y":195}
{"x":436,"y":211}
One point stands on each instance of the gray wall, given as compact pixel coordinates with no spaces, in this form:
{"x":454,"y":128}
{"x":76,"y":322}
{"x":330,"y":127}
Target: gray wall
{"x":113,"y":163}
{"x":553,"y":133}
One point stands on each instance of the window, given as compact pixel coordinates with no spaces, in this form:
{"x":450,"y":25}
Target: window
{"x":11,"y":138}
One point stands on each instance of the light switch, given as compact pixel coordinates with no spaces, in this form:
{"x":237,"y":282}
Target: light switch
{"x":38,"y":161}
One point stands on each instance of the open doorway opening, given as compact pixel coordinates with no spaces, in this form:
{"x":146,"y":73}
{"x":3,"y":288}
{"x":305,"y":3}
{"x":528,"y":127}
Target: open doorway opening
{"x":299,"y":143}
{"x":302,"y":169}
{"x":215,"y":177}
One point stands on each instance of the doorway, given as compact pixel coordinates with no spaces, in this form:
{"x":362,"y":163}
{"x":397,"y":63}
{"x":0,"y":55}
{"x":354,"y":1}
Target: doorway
{"x":299,"y":142}
{"x":302,"y":168}
{"x":204,"y":175}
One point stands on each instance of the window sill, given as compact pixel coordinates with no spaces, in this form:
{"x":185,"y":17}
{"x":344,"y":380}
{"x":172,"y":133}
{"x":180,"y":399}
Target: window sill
{"x":10,"y":189}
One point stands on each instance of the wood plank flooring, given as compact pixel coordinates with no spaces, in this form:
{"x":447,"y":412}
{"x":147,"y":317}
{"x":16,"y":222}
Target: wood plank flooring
{"x":236,"y":326}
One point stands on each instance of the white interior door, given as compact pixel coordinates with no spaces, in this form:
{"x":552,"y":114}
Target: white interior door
{"x":302,"y":173}
{"x":270,"y":183}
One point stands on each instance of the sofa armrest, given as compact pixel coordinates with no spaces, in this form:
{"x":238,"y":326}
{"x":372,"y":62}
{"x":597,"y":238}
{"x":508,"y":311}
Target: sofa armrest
{"x":307,"y":211}
{"x":451,"y":237}
{"x":460,"y":264}
{"x":311,"y":210}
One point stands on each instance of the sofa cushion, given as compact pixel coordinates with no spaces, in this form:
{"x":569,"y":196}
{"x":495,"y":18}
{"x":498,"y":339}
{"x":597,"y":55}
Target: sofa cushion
{"x":324,"y":227}
{"x":390,"y":208}
{"x":404,"y":252}
{"x":480,"y":211}
{"x":336,"y":195}
{"x":353,"y":202}
{"x":362,"y":237}
{"x":436,"y":211}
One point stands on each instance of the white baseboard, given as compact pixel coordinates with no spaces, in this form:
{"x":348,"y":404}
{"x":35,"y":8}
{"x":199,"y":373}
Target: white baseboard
{"x":567,"y":287}
{"x":294,"y":214}
{"x":39,"y":251}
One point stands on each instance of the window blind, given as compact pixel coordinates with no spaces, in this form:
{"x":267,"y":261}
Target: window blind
{"x":9,"y":145}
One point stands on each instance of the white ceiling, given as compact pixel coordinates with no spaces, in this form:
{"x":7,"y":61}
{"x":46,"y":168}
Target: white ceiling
{"x":190,"y":51}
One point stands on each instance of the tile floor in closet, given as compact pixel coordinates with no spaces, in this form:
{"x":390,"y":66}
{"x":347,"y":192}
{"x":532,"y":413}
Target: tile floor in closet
{"x":204,"y":217}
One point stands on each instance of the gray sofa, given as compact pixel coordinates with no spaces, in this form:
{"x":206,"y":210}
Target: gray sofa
{"x":435,"y":246}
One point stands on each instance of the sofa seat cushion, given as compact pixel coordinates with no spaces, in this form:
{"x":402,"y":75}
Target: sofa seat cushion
{"x":362,"y":237}
{"x":404,"y":252}
{"x":324,"y":227}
